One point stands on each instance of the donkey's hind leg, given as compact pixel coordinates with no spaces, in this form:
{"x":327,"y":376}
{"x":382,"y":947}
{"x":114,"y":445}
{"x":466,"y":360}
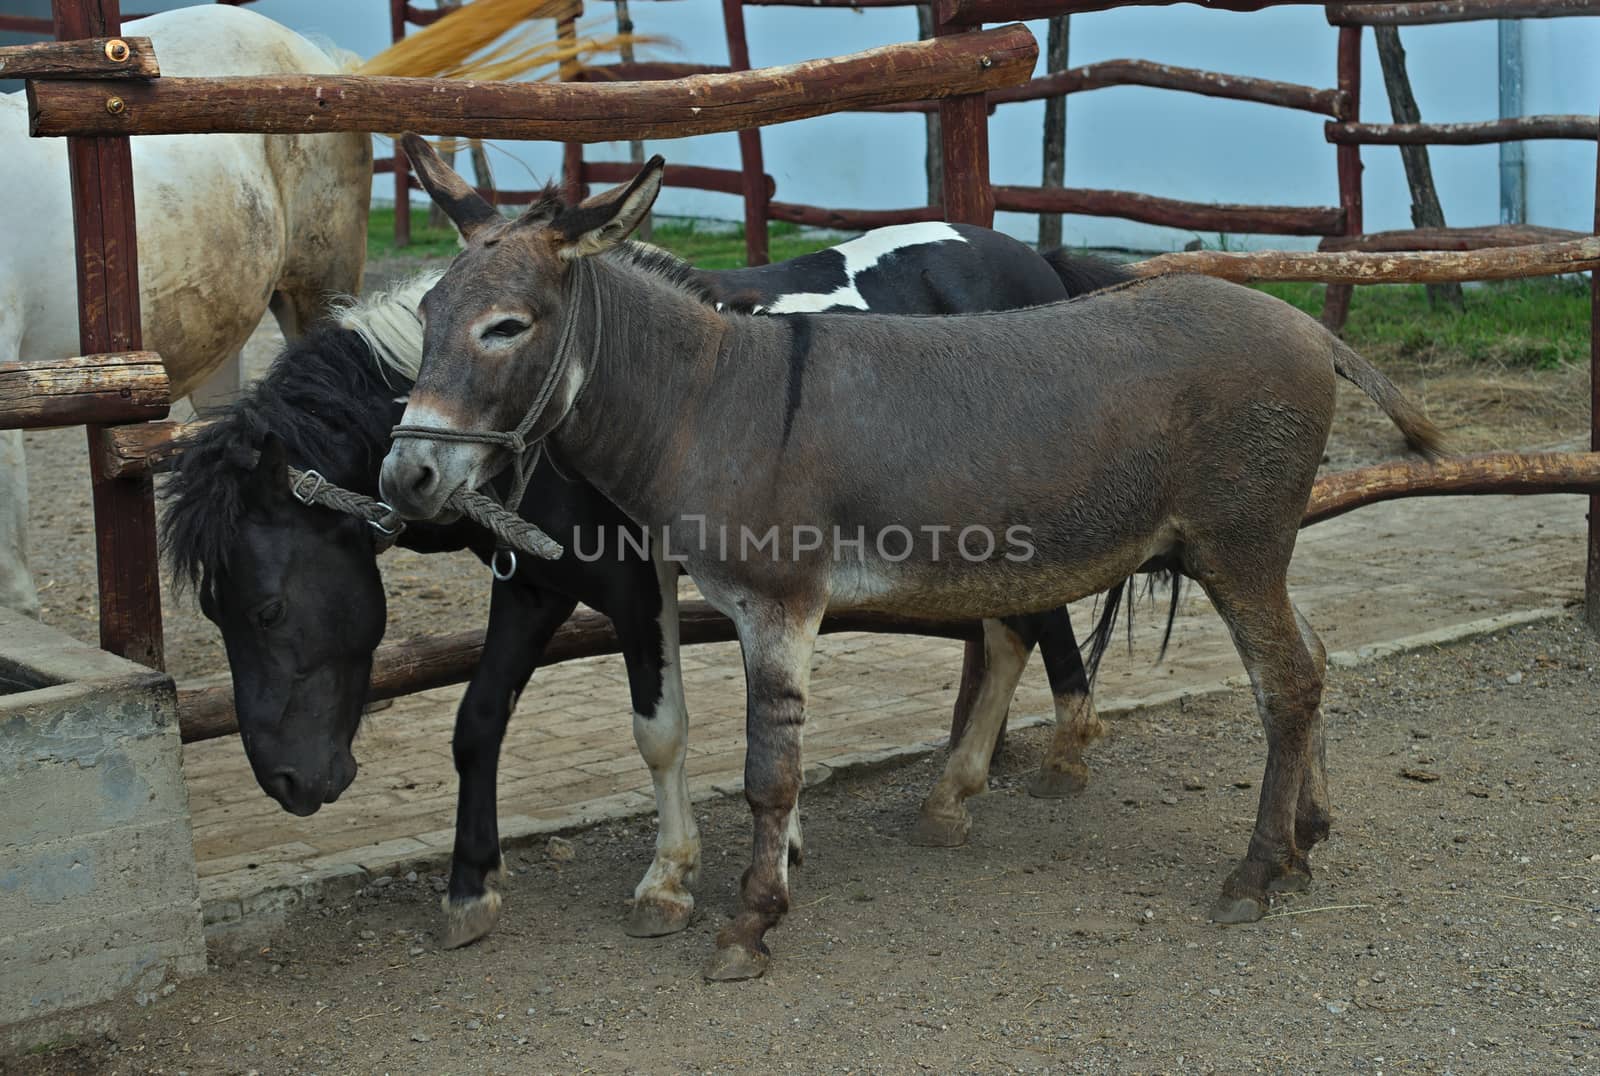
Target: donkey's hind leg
{"x":944,"y":821}
{"x":1287,"y":680}
{"x":1063,"y":771}
{"x":522,"y":618}
{"x":1313,"y":818}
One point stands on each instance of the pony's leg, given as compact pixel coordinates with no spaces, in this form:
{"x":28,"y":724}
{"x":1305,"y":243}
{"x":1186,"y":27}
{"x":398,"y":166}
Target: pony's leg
{"x":16,"y":581}
{"x":777,"y":645}
{"x":1287,"y":681}
{"x":943,"y":821}
{"x":1063,"y":771}
{"x":522,"y":618}
{"x":663,"y":902}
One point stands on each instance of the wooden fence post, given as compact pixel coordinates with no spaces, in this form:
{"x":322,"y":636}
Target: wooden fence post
{"x":1336,"y":302}
{"x":1591,"y":587}
{"x":964,"y":134}
{"x":572,"y":187}
{"x":402,"y":167}
{"x":751,"y":161}
{"x":107,"y":251}
{"x":1055,"y":128}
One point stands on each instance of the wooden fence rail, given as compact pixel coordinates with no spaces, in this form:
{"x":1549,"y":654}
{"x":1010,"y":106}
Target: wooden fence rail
{"x":123,"y":387}
{"x":1511,"y":129}
{"x":1362,"y":267}
{"x":539,"y":111}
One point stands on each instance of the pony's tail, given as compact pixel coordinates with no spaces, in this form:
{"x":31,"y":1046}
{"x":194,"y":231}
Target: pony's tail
{"x":1083,"y":273}
{"x":1420,"y":433}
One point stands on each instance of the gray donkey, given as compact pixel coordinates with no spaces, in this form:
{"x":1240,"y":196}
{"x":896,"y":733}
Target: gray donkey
{"x":944,"y":467}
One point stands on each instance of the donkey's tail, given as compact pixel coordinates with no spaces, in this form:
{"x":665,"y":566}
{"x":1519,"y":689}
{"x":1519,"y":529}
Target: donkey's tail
{"x":1121,"y":594}
{"x":1421,"y":434}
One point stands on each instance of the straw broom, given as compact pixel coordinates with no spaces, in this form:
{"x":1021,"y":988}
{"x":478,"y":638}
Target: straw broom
{"x":467,"y":44}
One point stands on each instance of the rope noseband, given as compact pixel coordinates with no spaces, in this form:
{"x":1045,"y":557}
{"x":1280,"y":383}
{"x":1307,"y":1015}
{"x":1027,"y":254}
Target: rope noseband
{"x":512,"y":533}
{"x":524,"y":455}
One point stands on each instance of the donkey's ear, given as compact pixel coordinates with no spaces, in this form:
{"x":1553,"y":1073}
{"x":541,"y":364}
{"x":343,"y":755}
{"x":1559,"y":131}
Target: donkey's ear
{"x":468,"y":209}
{"x":607,"y":219}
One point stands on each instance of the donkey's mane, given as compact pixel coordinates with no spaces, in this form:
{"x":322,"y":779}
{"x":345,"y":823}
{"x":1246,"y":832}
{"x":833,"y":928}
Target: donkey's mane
{"x":666,"y":266}
{"x":328,"y":397}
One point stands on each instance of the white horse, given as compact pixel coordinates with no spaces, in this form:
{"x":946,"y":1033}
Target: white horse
{"x":230,"y":225}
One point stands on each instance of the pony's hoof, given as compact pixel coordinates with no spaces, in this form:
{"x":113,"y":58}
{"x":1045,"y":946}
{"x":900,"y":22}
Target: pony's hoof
{"x":1230,"y":909}
{"x":733,"y":963}
{"x":468,"y":920}
{"x":1058,"y":784}
{"x":941,"y":831}
{"x":656,"y":917}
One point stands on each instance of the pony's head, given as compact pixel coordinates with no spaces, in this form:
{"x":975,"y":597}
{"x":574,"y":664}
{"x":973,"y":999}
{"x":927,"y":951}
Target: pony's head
{"x":294,"y":588}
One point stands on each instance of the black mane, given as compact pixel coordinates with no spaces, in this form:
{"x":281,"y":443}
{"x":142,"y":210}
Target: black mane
{"x":325,"y":397}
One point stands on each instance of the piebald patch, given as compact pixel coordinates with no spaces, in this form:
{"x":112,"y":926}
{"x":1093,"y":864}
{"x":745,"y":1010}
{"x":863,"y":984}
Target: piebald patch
{"x":859,"y":256}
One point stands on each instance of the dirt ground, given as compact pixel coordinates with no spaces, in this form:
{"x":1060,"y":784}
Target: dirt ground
{"x":1453,"y":926}
{"x":1481,"y":408}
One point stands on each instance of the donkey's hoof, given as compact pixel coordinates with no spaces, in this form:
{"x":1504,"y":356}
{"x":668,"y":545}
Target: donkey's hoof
{"x":1058,"y":784}
{"x":656,"y":917}
{"x":468,"y":920}
{"x":941,"y":830}
{"x":733,"y":963}
{"x":1295,"y":879}
{"x":1230,"y":909}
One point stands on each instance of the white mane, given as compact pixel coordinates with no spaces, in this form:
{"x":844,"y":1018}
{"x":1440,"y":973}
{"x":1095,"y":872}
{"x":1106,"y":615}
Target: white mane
{"x":387,"y":321}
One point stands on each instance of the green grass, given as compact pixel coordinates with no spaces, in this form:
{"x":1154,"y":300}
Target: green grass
{"x":1540,"y":323}
{"x":708,"y":247}
{"x":1529,"y":323}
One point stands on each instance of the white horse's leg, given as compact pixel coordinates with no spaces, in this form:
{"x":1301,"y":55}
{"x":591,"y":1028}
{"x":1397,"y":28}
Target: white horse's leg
{"x":16,"y":582}
{"x":663,"y":902}
{"x":221,"y":387}
{"x":944,"y":821}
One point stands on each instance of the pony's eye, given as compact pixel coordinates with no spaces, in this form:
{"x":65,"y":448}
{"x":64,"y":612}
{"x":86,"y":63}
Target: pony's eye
{"x":505,"y":329}
{"x":270,"y":613}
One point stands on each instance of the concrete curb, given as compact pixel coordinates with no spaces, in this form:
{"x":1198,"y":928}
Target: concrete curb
{"x":243,"y":902}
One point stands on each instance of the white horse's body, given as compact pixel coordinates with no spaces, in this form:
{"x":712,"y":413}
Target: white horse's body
{"x":228,"y":226}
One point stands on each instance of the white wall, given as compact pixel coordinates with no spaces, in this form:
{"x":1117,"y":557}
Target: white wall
{"x":1155,"y":141}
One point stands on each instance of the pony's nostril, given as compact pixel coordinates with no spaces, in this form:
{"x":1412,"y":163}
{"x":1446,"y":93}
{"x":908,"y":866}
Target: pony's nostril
{"x":281,"y":786}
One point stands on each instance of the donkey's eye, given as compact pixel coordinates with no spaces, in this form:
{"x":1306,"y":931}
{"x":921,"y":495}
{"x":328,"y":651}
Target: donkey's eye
{"x":270,"y":613}
{"x":505,"y":329}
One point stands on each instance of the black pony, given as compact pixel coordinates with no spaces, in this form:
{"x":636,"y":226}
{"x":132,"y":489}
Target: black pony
{"x":296,"y":592}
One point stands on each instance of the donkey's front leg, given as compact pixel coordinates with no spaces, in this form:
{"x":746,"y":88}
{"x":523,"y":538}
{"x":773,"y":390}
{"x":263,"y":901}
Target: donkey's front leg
{"x":777,"y":646}
{"x":663,"y":902}
{"x":522,"y":618}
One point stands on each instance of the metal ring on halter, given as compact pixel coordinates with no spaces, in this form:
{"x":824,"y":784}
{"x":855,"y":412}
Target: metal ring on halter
{"x":306,"y":496}
{"x":495,"y":570}
{"x":391,"y":515}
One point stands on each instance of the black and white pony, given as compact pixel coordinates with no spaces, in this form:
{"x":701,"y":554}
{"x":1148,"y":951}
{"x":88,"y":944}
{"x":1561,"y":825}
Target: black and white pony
{"x":296,"y":592}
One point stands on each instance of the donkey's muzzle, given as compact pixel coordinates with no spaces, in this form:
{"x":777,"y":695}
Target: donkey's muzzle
{"x":410,"y":481}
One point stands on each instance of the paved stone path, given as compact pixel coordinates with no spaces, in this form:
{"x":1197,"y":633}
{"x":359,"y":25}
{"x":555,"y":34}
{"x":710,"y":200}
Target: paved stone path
{"x":1383,"y":573}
